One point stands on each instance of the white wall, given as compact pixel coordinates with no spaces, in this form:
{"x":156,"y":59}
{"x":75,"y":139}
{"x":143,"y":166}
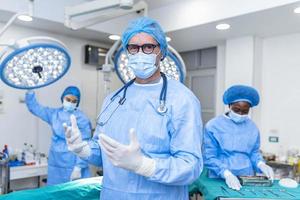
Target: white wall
{"x":17,"y":125}
{"x":281,"y":92}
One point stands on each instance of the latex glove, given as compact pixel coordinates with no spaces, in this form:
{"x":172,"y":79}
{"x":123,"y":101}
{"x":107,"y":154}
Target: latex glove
{"x":129,"y":156}
{"x":74,"y":139}
{"x":266,"y":169}
{"x":231,"y":180}
{"x":76,"y":173}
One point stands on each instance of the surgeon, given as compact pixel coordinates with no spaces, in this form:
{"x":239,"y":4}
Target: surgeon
{"x":232,"y":140}
{"x":145,"y":154}
{"x":63,"y":165}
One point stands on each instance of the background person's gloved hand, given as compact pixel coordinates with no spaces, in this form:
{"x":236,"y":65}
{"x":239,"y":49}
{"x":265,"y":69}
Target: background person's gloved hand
{"x":266,"y":170}
{"x":231,"y":180}
{"x":74,"y":139}
{"x":129,"y":156}
{"x":76,"y":173}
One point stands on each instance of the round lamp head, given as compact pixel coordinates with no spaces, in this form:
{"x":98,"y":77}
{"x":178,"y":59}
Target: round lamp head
{"x":34,"y":65}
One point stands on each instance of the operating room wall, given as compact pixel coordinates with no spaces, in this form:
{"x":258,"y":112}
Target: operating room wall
{"x":280,"y":91}
{"x":17,"y":125}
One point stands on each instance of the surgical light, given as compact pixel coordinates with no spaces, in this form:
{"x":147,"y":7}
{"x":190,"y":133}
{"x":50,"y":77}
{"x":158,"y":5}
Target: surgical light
{"x":34,"y":62}
{"x":173,"y":66}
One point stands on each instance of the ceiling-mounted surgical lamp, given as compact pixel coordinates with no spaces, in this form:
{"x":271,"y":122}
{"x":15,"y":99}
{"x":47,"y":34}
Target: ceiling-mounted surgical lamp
{"x":32,"y":62}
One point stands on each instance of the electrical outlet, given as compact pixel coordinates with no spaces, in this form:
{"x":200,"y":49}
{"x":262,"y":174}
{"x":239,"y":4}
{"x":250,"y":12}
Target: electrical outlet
{"x":273,"y":139}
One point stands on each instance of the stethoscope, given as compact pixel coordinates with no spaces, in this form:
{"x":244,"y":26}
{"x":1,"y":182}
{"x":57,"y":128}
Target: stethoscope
{"x":161,"y":109}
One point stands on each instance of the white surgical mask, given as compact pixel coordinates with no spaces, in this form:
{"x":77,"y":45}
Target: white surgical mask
{"x":237,"y":118}
{"x":143,"y":65}
{"x":68,"y":106}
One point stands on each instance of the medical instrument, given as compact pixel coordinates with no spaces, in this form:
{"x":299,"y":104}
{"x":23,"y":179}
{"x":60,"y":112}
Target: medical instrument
{"x":254,"y":181}
{"x":161,"y":109}
{"x":286,"y":192}
{"x":224,"y":190}
{"x":252,"y":191}
{"x":270,"y":191}
{"x":240,"y":192}
{"x":262,"y":191}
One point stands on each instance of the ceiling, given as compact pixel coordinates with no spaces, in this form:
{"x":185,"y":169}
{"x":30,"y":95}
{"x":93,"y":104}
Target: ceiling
{"x":190,"y":23}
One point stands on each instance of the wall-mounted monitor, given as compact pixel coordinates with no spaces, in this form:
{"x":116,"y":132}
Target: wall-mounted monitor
{"x":94,"y":55}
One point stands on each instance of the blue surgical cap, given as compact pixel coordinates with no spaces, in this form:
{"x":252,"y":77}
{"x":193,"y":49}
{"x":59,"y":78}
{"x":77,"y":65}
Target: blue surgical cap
{"x":238,"y":93}
{"x":71,"y":90}
{"x":149,"y":26}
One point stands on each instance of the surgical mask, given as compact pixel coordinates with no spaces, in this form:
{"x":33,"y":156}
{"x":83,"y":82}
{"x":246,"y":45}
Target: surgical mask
{"x":237,"y":118}
{"x":143,"y":65}
{"x":68,"y":106}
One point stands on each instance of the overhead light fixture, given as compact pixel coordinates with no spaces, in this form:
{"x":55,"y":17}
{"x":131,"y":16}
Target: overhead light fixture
{"x":114,"y":37}
{"x":297,"y":10}
{"x":223,"y":26}
{"x":168,"y":39}
{"x":34,"y":62}
{"x":25,"y":18}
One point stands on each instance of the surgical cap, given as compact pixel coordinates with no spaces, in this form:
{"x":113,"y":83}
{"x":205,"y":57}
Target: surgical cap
{"x":238,"y":93}
{"x":71,"y":90}
{"x":149,"y":26}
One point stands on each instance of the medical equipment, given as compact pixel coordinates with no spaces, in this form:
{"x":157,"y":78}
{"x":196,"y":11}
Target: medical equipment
{"x":4,"y":173}
{"x":255,"y":181}
{"x":284,"y":191}
{"x":161,"y":109}
{"x":32,"y":62}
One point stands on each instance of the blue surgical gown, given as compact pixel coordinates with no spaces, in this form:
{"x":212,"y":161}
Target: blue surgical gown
{"x":60,"y":160}
{"x":232,"y":146}
{"x":173,"y":140}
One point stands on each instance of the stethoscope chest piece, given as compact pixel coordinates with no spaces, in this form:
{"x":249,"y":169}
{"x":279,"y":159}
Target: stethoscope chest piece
{"x":162,"y":108}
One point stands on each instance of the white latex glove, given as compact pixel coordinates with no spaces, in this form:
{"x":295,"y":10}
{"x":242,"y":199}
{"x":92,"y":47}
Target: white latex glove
{"x":232,"y":181}
{"x":74,"y":139}
{"x":266,"y":169}
{"x":76,"y":173}
{"x":129,"y":156}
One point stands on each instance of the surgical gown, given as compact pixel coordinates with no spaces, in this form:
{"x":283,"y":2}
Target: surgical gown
{"x":232,"y":146}
{"x":60,"y":160}
{"x":173,"y":140}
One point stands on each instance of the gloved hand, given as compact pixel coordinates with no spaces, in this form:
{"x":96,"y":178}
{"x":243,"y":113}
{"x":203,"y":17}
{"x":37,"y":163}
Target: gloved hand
{"x":129,"y":156}
{"x":266,"y":169}
{"x":76,"y":173}
{"x":74,"y":139}
{"x":231,"y":180}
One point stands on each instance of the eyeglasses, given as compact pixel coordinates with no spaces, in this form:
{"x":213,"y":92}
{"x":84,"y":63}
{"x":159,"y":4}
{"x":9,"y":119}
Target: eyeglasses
{"x":146,"y":48}
{"x":68,"y":99}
